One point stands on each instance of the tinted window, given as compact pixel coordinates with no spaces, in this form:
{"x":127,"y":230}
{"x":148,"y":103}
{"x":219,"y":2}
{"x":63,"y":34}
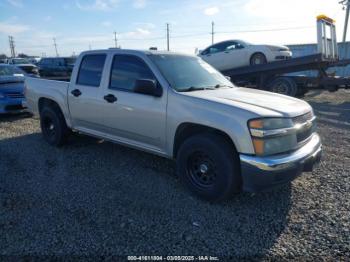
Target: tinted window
{"x":126,"y":70}
{"x":217,"y":48}
{"x":9,"y":70}
{"x":233,"y":46}
{"x":70,"y":60}
{"x":91,"y":69}
{"x":45,"y":61}
{"x":57,"y":62}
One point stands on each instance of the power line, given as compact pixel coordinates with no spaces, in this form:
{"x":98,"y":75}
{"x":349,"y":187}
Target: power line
{"x":244,"y":31}
{"x":267,"y":30}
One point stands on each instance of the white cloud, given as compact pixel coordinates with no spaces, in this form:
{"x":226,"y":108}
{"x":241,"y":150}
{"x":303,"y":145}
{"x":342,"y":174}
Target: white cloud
{"x":139,"y":4}
{"x":106,"y":23}
{"x":100,"y":5}
{"x":146,"y":25}
{"x":211,"y":10}
{"x":15,"y":3}
{"x":8,"y":28}
{"x":138,"y":33}
{"x":47,"y":18}
{"x":298,"y":8}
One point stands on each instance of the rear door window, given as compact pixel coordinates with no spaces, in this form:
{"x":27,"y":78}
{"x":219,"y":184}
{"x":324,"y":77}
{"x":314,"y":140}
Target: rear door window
{"x":90,"y":71}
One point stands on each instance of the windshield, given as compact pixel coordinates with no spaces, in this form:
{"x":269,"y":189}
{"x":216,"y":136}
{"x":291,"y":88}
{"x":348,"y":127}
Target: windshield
{"x":20,"y":61}
{"x":70,"y":60}
{"x":188,"y":73}
{"x":10,"y":71}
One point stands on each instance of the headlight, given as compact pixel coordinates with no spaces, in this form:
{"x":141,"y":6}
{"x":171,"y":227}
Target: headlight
{"x":272,"y":135}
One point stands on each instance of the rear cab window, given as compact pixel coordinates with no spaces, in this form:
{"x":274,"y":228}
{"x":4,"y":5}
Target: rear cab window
{"x":91,"y":69}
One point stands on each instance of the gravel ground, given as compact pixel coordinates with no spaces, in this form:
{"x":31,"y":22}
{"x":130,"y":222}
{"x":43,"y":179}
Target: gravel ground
{"x":93,"y":198}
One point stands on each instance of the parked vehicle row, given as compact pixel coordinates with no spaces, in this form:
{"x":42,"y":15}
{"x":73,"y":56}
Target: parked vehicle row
{"x":57,"y":68}
{"x":224,"y":138}
{"x":25,"y":65}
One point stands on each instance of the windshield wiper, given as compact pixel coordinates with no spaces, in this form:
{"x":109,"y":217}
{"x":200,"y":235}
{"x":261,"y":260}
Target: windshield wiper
{"x":219,"y":85}
{"x":196,"y":88}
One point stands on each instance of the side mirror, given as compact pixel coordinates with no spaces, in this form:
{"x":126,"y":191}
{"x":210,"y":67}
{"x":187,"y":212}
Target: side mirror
{"x":147,"y":87}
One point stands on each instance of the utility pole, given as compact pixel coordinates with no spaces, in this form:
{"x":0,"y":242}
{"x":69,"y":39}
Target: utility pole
{"x":115,"y":39}
{"x":54,"y":43}
{"x":89,"y":46}
{"x":212,"y":33}
{"x":12,"y":46}
{"x":346,"y":5}
{"x":167,"y":36}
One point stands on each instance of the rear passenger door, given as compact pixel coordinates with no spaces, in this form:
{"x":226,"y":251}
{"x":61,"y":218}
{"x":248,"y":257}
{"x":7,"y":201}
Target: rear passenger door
{"x":84,"y":94}
{"x":133,"y":118}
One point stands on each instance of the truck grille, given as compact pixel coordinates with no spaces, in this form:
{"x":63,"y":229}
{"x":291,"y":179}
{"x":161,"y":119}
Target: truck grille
{"x":303,"y":118}
{"x":306,"y":131}
{"x":15,"y":95}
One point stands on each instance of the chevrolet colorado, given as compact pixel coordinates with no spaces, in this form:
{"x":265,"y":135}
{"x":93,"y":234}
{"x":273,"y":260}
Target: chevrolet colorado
{"x":224,"y":138}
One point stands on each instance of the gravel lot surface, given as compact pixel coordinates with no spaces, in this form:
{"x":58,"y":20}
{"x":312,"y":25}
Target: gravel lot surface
{"x":96,"y":198}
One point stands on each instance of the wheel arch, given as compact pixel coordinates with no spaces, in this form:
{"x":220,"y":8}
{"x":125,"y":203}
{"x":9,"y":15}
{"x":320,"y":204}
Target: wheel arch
{"x":186,"y":130}
{"x":45,"y":101}
{"x":257,"y":52}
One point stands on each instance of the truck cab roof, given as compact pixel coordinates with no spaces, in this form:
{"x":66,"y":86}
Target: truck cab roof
{"x":135,"y":51}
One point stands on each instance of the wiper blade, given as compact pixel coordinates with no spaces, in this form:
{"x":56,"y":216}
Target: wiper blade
{"x":219,"y":85}
{"x":196,"y":88}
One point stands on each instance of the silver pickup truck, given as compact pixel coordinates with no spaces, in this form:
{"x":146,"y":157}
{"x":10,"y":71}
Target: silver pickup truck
{"x":224,"y":138}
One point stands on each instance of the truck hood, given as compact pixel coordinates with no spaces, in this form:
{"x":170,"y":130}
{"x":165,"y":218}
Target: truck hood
{"x":259,"y":102}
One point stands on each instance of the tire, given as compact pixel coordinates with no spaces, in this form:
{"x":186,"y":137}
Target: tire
{"x":258,"y":59}
{"x":284,"y":86}
{"x":209,"y":167}
{"x":53,"y":126}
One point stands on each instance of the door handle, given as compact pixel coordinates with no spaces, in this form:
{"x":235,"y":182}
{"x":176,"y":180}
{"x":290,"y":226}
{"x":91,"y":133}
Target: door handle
{"x":110,"y":98}
{"x":76,"y":92}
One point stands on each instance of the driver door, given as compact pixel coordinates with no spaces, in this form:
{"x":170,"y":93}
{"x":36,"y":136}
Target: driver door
{"x":131,"y":117}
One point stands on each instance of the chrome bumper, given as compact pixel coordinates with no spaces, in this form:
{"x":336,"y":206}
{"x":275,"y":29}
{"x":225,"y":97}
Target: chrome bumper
{"x":260,"y":173}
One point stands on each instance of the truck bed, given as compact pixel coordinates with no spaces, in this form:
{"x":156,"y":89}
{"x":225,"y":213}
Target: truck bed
{"x":37,"y":88}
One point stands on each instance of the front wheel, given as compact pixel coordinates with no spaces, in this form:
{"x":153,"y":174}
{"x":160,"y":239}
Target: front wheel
{"x":209,"y":167}
{"x":258,"y":59}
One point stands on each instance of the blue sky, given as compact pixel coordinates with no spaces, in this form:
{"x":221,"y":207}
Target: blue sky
{"x":78,"y":25}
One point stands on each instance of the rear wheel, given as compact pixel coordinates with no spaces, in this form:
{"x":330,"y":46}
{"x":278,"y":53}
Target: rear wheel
{"x":53,"y":126}
{"x":209,"y":167}
{"x":284,"y":86}
{"x":258,"y":59}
